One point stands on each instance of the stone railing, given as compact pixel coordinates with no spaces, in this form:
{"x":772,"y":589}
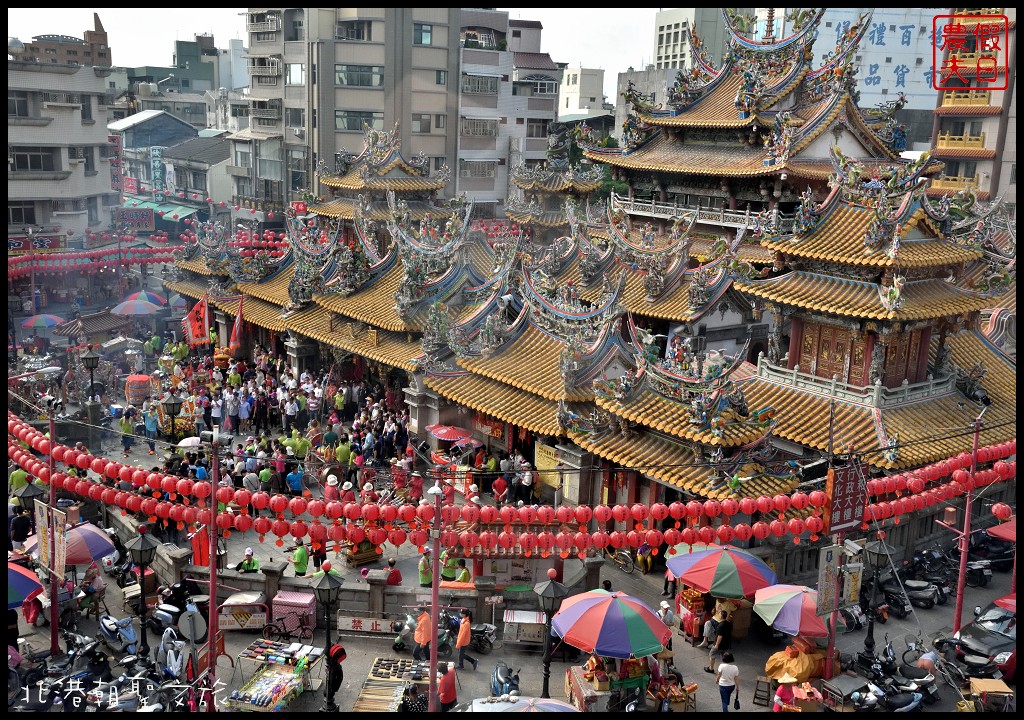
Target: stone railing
{"x":665,"y":210}
{"x":953,"y":184}
{"x":876,"y":395}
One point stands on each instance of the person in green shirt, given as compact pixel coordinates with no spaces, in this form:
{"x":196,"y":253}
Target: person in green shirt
{"x":250,"y":564}
{"x":343,"y":454}
{"x":449,"y":564}
{"x":17,"y":480}
{"x":462,"y":575}
{"x":300,"y":559}
{"x":425,"y":570}
{"x":234,"y":379}
{"x":264,"y":475}
{"x":339,"y":402}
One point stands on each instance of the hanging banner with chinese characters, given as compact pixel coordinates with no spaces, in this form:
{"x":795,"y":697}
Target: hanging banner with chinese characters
{"x":489,"y":427}
{"x":156,"y":165}
{"x":116,"y":179}
{"x":847,"y":497}
{"x":546,"y":462}
{"x":22,"y":244}
{"x":138,"y":219}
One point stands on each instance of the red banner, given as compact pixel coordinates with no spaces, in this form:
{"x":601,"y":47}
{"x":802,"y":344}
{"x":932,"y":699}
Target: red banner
{"x":22,"y":244}
{"x":235,"y":341}
{"x":196,"y":325}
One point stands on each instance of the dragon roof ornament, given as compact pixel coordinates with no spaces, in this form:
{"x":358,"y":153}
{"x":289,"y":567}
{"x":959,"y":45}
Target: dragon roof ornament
{"x":838,"y":72}
{"x":863,"y":186}
{"x":635,"y":131}
{"x":559,"y":310}
{"x":704,"y":69}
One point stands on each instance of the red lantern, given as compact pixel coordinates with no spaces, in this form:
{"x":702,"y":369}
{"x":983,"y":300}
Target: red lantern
{"x":371,"y":511}
{"x":449,"y":514}
{"x":761,"y":530}
{"x":602,"y":513}
{"x":527,"y":541}
{"x":243,"y":523}
{"x":425,"y":513}
{"x":796,"y":526}
{"x":468,"y":539}
{"x":280,"y":528}
{"x":654,"y":538}
{"x":377,"y":536}
{"x":748,"y":506}
{"x":564,"y":541}
{"x":353,"y":511}
{"x":600,"y":540}
{"x":706,"y":535}
{"x":107,"y":496}
{"x":617,"y":540}
{"x":225,"y":494}
{"x":225,"y":521}
{"x":125,"y":474}
{"x":672,"y":537}
{"x":397,"y":537}
{"x":915,"y":484}
{"x":817,"y":498}
{"x":815,"y":524}
{"x":242,"y":497}
{"x":134,"y":503}
{"x":659,"y":511}
{"x":781,"y":503}
{"x":507,"y":540}
{"x":278,"y":504}
{"x":508,"y":514}
{"x":694,"y":509}
{"x":743,"y":531}
{"x":298,"y":529}
{"x":1002,"y":511}
{"x":202,"y":490}
{"x":689,"y":536}
{"x":527,"y":514}
{"x":417,"y":538}
{"x":184,"y":487}
{"x":725,"y":534}
{"x":712,"y":508}
{"x":489,"y":514}
{"x":261,"y":525}
{"x":620,"y":513}
{"x":730,"y":507}
{"x":99,"y":466}
{"x":765,"y":504}
{"x":95,"y":491}
{"x":799,"y":500}
{"x":640,"y":512}
{"x":565,"y":514}
{"x":677,"y":510}
{"x":260,"y":500}
{"x":316,"y":508}
{"x":470,"y":512}
{"x":318,"y":534}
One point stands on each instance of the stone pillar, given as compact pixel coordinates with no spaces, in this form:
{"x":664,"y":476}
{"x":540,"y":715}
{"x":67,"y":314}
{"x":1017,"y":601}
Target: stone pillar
{"x":92,"y":409}
{"x":376,"y":580}
{"x":484,"y":587}
{"x":179,"y":560}
{"x":273,"y":571}
{"x":592,"y":572}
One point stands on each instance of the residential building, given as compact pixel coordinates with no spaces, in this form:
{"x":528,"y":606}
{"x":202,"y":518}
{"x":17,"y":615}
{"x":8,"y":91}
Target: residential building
{"x":672,"y":29}
{"x":581,"y":94}
{"x":199,"y":168}
{"x":975,"y":124}
{"x":58,"y":152}
{"x":66,"y":50}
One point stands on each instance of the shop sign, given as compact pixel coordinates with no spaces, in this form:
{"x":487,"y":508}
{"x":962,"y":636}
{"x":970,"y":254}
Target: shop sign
{"x":847,"y":496}
{"x":24,"y":244}
{"x":131,"y":185}
{"x":488,"y":427}
{"x":546,"y":462}
{"x":362,"y":624}
{"x":134,"y":218}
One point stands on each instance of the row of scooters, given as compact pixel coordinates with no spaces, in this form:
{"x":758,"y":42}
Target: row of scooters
{"x":926,"y":580}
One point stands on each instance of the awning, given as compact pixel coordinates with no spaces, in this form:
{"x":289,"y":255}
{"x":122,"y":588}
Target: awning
{"x":480,"y":73}
{"x":136,"y":204}
{"x":182,"y":211}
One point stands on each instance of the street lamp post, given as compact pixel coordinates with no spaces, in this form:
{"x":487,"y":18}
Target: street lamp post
{"x":550,"y":593}
{"x":328,"y":588}
{"x":143,"y":550}
{"x":172,"y":406}
{"x":91,"y":361}
{"x":876,"y":553}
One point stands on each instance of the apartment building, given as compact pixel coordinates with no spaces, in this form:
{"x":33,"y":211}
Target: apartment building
{"x":59,"y":177}
{"x":465,"y":87}
{"x":67,"y":50}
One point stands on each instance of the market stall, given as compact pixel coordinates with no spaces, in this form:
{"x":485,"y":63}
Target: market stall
{"x":386,"y":682}
{"x":283,"y":672}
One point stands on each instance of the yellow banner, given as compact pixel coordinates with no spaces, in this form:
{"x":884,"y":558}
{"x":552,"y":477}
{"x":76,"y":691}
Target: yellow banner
{"x":546,"y":460}
{"x":60,"y":527}
{"x":43,"y":533}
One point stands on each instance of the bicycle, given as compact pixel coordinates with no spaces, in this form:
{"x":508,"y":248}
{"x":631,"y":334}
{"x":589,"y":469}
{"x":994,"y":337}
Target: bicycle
{"x":622,"y":558}
{"x":913,"y":652}
{"x":287,"y":627}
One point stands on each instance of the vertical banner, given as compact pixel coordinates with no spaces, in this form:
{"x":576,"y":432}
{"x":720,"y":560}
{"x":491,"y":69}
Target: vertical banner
{"x":847,"y":498}
{"x":196,"y":324}
{"x":43,"y":533}
{"x":115,"y":162}
{"x":235,"y":339}
{"x":156,"y":166}
{"x":546,"y":461}
{"x":60,"y":528}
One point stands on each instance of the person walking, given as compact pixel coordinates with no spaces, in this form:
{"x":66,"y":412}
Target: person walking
{"x":127,"y":439}
{"x":669,"y":588}
{"x":300,"y":558}
{"x":723,"y":641}
{"x":464,"y":636}
{"x":728,"y":677}
{"x":422,"y":636}
{"x":150,"y":419}
{"x":425,"y":569}
{"x":668,"y":617}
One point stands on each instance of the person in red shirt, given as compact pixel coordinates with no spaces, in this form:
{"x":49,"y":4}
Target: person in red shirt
{"x":347,"y":493}
{"x":446,"y":694}
{"x":394,"y":574}
{"x":331,"y":489}
{"x":500,"y":488}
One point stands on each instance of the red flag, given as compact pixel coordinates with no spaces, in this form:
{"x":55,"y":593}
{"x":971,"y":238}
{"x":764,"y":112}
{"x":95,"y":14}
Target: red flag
{"x":235,"y":341}
{"x":196,"y":325}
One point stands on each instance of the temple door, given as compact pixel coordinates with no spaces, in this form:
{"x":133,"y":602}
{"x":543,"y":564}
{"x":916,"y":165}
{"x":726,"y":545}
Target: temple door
{"x":825,"y":345}
{"x":809,"y":346}
{"x":896,"y":360}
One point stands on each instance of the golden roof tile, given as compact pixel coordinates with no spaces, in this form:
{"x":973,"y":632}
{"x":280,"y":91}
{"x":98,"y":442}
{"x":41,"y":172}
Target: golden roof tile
{"x":256,"y":311}
{"x":922,"y":300}
{"x":394,"y":349}
{"x":499,"y":400}
{"x":354,"y":180}
{"x":274,"y":290}
{"x":345,"y":208}
{"x":716,"y":109}
{"x":823,"y":169}
{"x":551,"y":219}
{"x":673,"y":418}
{"x":530,"y":362}
{"x":197,"y":266}
{"x":840,"y":238}
{"x":189,"y":288}
{"x":556,"y":183}
{"x":663,"y":154}
{"x":374,"y":305}
{"x":750,"y":252}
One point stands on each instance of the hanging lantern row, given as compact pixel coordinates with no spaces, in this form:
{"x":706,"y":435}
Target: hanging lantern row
{"x":692,"y":512}
{"x":54,"y":265}
{"x":915,"y":480}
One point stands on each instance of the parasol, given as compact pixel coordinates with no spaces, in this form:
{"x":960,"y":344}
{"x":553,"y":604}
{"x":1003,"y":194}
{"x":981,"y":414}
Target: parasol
{"x":793,"y":609}
{"x":722,"y":570}
{"x":42,"y":321}
{"x":448,"y":432}
{"x":148,"y":296}
{"x":468,"y":442}
{"x":611,"y":625}
{"x":22,"y":585}
{"x":86,"y":543}
{"x":536,"y":704}
{"x":177,"y":302}
{"x":134,"y":307}
{"x":190,"y":442}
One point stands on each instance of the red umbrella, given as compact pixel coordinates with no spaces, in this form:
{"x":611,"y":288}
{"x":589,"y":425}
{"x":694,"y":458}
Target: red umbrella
{"x":448,"y":432}
{"x":1005,"y":531}
{"x":1009,"y":602}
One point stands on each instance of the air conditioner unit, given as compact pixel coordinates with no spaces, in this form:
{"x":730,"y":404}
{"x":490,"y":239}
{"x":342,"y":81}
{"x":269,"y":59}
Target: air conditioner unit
{"x":299,"y":133}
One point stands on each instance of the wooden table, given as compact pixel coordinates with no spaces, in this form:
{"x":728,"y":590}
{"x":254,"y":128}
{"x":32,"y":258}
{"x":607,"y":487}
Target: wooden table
{"x":385,"y":684}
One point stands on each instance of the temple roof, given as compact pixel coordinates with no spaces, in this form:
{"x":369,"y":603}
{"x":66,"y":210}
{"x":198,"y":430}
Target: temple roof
{"x":495,"y":398}
{"x":373,"y":304}
{"x":347,"y":208}
{"x":380,"y":166}
{"x":394,"y":349}
{"x":666,"y":155}
{"x":273,"y":290}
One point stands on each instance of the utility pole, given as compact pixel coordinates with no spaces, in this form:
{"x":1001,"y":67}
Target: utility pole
{"x":965,"y":535}
{"x":435,"y":591}
{"x":211,"y":646}
{"x":52,"y":539}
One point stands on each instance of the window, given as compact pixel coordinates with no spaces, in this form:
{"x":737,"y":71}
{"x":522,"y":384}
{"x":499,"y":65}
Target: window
{"x":296,"y":32}
{"x":238,"y":111}
{"x":517,"y":33}
{"x":420,"y":123}
{"x":479,"y":84}
{"x":440,"y":122}
{"x":88,"y":156}
{"x":86,"y":107}
{"x":440,"y":162}
{"x":243,"y":156}
{"x":17,"y":103}
{"x":479,"y":128}
{"x":244,"y":186}
{"x":264,"y":80}
{"x":1013,"y":173}
{"x":296,"y":170}
{"x":536,"y":128}
{"x":353,"y":120}
{"x":976,"y":128}
{"x":354,"y":30}
{"x":197,"y":181}
{"x":265,"y":36}
{"x":441,"y":77}
{"x":50,"y":51}
{"x":93,"y":210}
{"x":421,"y":34}
{"x":31,"y":158}
{"x":295,"y":74}
{"x":21,"y":213}
{"x":542,"y":84}
{"x":295,"y":117}
{"x":359,"y":75}
{"x":476,"y":168}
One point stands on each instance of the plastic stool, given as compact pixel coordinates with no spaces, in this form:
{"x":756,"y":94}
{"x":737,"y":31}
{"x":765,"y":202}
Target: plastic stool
{"x":763,"y":691}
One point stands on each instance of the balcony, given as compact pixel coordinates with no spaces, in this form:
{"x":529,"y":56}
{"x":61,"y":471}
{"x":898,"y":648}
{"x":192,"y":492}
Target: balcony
{"x":267,"y":69}
{"x":666,"y":211}
{"x":953,"y":184}
{"x":266,"y":112}
{"x":978,"y":11}
{"x":958,"y":98}
{"x":948,"y":141}
{"x":271,"y":24}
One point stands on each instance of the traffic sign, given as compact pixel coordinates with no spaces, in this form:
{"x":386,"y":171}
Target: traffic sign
{"x":494,"y":600}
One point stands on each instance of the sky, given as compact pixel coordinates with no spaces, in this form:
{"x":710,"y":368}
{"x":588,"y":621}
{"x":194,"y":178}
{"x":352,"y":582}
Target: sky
{"x":594,"y":39}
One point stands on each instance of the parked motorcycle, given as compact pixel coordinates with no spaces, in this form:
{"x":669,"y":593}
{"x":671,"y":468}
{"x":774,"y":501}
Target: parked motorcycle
{"x":405,"y":629}
{"x":171,"y":654}
{"x":118,"y":635}
{"x":920,"y":593}
{"x":918,"y":569}
{"x":24,"y":674}
{"x":114,"y":559}
{"x":482,"y":635}
{"x":894,"y":599}
{"x":48,"y":696}
{"x":174,"y":602}
{"x":889,"y":700}
{"x":977,"y":666}
{"x":998,"y":552}
{"x":503,"y":680}
{"x":908,"y":678}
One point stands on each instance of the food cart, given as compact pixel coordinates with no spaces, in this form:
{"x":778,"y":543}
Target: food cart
{"x":524,"y":626}
{"x":596,"y":689}
{"x":385,"y":684}
{"x":243,"y":611}
{"x":283,"y":673}
{"x":835,"y":693}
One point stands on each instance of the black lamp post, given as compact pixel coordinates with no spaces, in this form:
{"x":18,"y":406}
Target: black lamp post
{"x":143,"y":550}
{"x":28,"y":494}
{"x":172,"y":406}
{"x":328,"y":588}
{"x":877,"y":554}
{"x":91,"y":361}
{"x":550,"y":593}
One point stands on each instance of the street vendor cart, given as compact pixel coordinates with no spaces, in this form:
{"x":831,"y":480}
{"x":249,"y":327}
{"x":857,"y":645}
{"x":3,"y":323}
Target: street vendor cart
{"x":385,"y":684}
{"x":835,"y":693}
{"x":243,"y":611}
{"x":283,"y":672}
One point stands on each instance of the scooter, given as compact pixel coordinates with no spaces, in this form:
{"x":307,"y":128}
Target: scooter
{"x":45,"y":697}
{"x":170,"y":656}
{"x":907,"y":677}
{"x":917,"y":570}
{"x":482,"y":637}
{"x":998,"y":552}
{"x":405,"y":629}
{"x":920,"y":593}
{"x":109,"y":562}
{"x":175,"y":601}
{"x":118,"y":635}
{"x":895,"y":600}
{"x":503,"y":680}
{"x":977,"y":666}
{"x":25,"y":674}
{"x":878,"y":699}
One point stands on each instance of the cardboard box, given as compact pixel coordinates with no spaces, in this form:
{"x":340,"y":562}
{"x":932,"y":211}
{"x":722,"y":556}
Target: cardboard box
{"x":600,"y":685}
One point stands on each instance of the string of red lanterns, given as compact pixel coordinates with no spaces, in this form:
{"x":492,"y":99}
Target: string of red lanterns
{"x":378,"y":519}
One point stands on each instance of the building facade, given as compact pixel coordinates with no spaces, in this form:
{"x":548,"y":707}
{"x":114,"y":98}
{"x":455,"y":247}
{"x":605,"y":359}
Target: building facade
{"x":66,"y":50}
